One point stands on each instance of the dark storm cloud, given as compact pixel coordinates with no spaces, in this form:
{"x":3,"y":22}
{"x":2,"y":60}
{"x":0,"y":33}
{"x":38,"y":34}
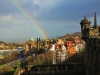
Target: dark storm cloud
{"x":72,"y":10}
{"x":54,"y":16}
{"x":8,"y":7}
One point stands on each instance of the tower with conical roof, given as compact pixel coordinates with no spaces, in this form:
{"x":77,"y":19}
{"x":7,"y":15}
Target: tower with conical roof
{"x":85,"y":25}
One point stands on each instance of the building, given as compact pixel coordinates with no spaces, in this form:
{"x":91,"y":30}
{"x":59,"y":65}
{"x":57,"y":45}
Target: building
{"x":60,"y":42}
{"x":30,"y":45}
{"x":91,"y":35}
{"x":80,"y":44}
{"x":87,"y":30}
{"x":77,"y":40}
{"x":71,"y":47}
{"x":60,"y":53}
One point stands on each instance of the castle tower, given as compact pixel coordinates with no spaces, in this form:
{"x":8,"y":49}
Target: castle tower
{"x":85,"y":25}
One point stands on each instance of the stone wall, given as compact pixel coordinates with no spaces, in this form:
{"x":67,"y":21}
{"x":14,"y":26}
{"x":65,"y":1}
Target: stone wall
{"x":94,"y":32}
{"x":19,"y":71}
{"x":92,"y":56}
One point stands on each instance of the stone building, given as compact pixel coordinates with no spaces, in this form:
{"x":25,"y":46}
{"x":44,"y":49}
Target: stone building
{"x":91,"y":35}
{"x":60,"y":41}
{"x":38,"y":44}
{"x":87,"y":30}
{"x":30,"y":45}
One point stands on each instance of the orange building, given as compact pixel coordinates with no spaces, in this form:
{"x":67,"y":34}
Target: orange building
{"x":71,"y":48}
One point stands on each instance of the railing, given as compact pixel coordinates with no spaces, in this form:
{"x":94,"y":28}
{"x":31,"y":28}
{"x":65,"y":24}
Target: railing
{"x":57,"y":69}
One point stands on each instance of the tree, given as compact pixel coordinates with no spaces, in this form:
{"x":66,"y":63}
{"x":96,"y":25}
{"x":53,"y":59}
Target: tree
{"x":10,"y":57}
{"x":40,"y":59}
{"x":49,"y":57}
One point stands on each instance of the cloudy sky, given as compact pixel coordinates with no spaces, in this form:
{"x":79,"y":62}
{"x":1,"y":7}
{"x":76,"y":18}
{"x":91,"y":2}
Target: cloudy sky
{"x":55,"y":17}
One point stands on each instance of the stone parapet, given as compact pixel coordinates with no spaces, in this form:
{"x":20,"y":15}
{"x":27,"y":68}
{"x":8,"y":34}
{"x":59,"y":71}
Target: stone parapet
{"x":92,"y":56}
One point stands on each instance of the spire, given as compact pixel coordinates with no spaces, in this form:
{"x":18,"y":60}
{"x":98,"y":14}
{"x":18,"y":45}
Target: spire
{"x":95,"y":20}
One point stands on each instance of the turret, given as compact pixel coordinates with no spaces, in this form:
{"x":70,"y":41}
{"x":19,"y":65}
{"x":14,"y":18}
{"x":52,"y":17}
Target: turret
{"x":85,"y":25}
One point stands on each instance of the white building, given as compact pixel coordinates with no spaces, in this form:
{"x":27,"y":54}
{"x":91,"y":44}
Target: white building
{"x":60,"y":53}
{"x":80,"y":47}
{"x":63,"y":53}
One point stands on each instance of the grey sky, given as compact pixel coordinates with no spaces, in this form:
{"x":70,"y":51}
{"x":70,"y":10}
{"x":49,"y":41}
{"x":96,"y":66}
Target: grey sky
{"x":56,"y":17}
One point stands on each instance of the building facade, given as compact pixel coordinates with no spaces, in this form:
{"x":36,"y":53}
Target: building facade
{"x":91,"y":35}
{"x":87,"y":30}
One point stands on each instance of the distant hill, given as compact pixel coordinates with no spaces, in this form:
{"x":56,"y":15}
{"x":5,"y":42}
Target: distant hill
{"x":77,"y":34}
{"x":1,"y":42}
{"x":71,"y":35}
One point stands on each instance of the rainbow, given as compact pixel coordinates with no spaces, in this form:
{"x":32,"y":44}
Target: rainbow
{"x":28,"y":16}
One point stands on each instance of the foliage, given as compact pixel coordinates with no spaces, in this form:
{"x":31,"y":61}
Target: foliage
{"x":7,"y":70}
{"x":29,"y":59}
{"x":40,"y":59}
{"x":49,"y":57}
{"x":4,"y":70}
{"x":3,"y":65}
{"x":10,"y":57}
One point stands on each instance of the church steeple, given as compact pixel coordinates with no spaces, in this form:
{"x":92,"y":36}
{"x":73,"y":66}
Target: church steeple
{"x":95,"y":20}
